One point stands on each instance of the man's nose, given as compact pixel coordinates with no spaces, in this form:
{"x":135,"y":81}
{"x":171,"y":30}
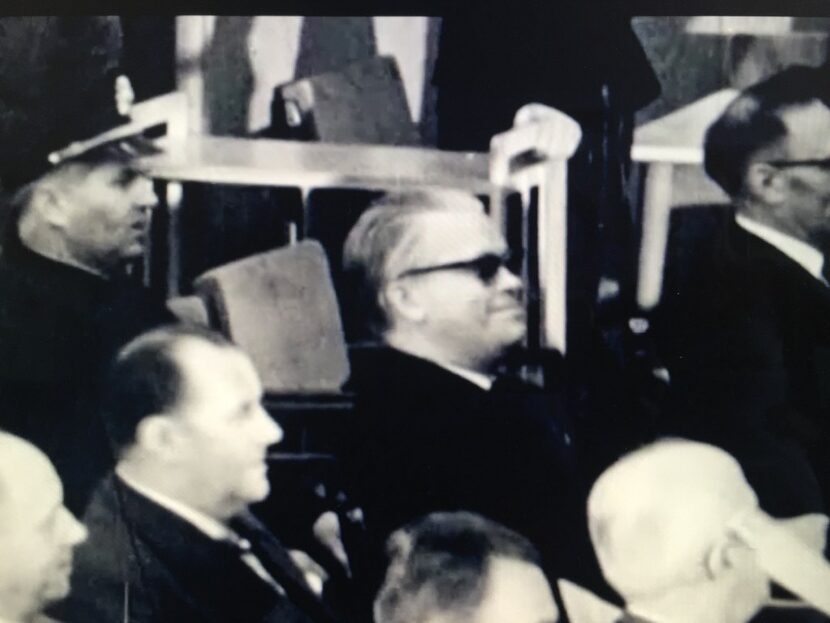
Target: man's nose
{"x":147,"y":196}
{"x":270,"y":432}
{"x":74,"y":531}
{"x":508,"y":280}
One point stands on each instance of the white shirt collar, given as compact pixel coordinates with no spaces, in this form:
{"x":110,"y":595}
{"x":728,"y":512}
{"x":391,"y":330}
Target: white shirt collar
{"x":208,"y":525}
{"x":808,"y":257}
{"x":484,"y":381}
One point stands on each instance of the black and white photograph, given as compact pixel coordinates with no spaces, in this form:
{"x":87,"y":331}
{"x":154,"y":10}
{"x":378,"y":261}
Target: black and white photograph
{"x":509,"y":313}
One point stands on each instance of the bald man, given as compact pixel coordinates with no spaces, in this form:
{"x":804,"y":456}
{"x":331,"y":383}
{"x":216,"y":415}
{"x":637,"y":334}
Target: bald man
{"x":37,"y":533}
{"x":66,"y":305}
{"x":678,"y":533}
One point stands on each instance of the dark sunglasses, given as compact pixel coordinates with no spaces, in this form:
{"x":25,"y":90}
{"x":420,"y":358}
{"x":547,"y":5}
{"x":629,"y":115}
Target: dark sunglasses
{"x":485,"y":267}
{"x":823,"y":163}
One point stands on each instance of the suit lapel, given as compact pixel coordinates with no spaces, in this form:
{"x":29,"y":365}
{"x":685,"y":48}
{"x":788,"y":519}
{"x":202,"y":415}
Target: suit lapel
{"x":208,"y":575}
{"x":279,"y":564}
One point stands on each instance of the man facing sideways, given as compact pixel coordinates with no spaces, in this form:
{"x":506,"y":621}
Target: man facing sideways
{"x":679,"y":534}
{"x":439,"y":429}
{"x":171,"y":538}
{"x":746,"y":334}
{"x":462,"y":568}
{"x":66,"y":304}
{"x":37,"y":533}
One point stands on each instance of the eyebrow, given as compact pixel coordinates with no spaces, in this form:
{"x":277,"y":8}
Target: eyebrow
{"x":126,"y":176}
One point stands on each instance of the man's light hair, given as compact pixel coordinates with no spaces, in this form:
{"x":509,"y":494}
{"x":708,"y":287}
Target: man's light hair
{"x":382,"y":243}
{"x":655,"y":514}
{"x":439,"y":567}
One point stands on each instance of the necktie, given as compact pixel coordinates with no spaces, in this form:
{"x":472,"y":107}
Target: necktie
{"x":249,"y":558}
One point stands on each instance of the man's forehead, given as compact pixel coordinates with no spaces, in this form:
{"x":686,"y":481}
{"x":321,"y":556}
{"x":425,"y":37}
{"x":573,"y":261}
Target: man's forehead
{"x":117,"y":174}
{"x":205,"y":366}
{"x":808,"y":130}
{"x":456,"y":235}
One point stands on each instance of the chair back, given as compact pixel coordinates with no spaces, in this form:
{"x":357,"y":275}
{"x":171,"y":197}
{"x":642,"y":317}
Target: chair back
{"x":280,"y":308}
{"x":365,"y":102}
{"x":532,"y":158}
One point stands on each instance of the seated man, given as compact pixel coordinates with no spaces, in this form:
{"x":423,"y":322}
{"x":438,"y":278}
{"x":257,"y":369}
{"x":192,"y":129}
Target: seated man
{"x":171,"y":538}
{"x":66,"y":305}
{"x":679,"y":534}
{"x":37,"y":533}
{"x":439,"y":429}
{"x":745,"y":329}
{"x":459,"y":567}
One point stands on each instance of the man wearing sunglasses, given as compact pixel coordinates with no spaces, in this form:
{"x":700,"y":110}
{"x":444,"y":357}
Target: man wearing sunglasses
{"x":747,"y":335}
{"x":438,"y":428}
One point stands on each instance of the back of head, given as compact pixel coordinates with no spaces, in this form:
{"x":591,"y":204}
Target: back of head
{"x":439,"y":565}
{"x":384,"y":239}
{"x":752,"y":122}
{"x":654,"y":515}
{"x":146,"y":378}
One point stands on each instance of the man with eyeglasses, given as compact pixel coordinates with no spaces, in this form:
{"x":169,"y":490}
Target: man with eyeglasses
{"x":437,"y":427}
{"x":747,"y":334}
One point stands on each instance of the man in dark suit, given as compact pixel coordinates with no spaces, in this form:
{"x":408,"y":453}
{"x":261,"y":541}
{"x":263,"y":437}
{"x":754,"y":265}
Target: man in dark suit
{"x":438,"y":428}
{"x":746,"y":333}
{"x":67,"y":304}
{"x":170,"y":536}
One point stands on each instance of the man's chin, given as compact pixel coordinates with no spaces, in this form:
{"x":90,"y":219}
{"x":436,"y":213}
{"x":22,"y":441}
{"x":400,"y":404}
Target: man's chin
{"x":58,"y":588}
{"x":257,"y":489}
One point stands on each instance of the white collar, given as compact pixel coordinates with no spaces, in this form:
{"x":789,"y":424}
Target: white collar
{"x":480,"y":379}
{"x":808,"y":257}
{"x":484,"y":381}
{"x":208,"y":525}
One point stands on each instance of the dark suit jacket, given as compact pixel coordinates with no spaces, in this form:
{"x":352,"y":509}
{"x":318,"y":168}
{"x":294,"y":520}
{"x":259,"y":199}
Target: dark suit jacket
{"x":142,"y":563}
{"x":746,"y":336}
{"x":429,"y":440}
{"x":59,"y":326}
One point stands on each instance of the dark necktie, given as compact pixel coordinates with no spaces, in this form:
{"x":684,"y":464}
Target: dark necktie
{"x":278,"y":564}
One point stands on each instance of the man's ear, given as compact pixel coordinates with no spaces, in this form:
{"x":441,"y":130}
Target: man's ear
{"x":765,"y":182}
{"x":51,"y":205}
{"x":402,"y":301}
{"x":725,"y":554}
{"x":155,"y":434}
